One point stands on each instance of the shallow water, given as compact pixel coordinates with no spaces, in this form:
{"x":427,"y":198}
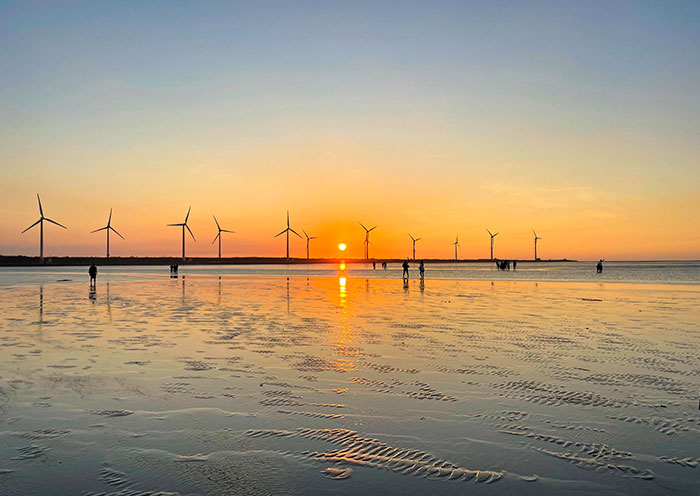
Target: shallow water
{"x":668,"y":272}
{"x":258,"y":385}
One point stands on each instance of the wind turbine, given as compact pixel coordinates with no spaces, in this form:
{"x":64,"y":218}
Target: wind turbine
{"x":492,"y":236}
{"x":218,"y":235}
{"x":108,"y":228}
{"x":367,"y":231}
{"x":536,"y":238}
{"x":414,"y":244}
{"x":41,"y":228}
{"x":185,"y":226}
{"x":456,"y":243}
{"x":288,"y":230}
{"x":308,"y":238}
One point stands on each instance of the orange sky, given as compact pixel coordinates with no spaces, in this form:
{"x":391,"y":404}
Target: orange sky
{"x":433,"y":121}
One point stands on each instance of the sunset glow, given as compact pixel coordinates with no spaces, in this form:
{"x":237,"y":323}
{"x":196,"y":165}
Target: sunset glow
{"x":342,"y":246}
{"x":553,"y":125}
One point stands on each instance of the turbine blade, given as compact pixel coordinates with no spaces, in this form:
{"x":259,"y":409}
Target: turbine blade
{"x":495,"y":235}
{"x":174,"y":224}
{"x":27,"y":229}
{"x":409,"y":235}
{"x":100,"y":229}
{"x":313,"y":237}
{"x":373,"y":228}
{"x":217,"y":223}
{"x":115,"y":232}
{"x":363,"y":226}
{"x":188,"y":215}
{"x":489,"y":232}
{"x":292,"y":230}
{"x":41,"y":210}
{"x":217,"y":237}
{"x":54,"y":222}
{"x":190,"y":231}
{"x":226,"y":230}
{"x":307,"y":236}
{"x":280,"y":234}
{"x":109,"y":221}
{"x":419,"y":239}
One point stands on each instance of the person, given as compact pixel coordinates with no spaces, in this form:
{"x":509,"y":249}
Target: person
{"x":374,"y":265}
{"x":599,"y":266}
{"x":405,"y":269}
{"x":421,"y":269}
{"x":515,"y":264}
{"x":384,"y":265}
{"x":93,"y":275}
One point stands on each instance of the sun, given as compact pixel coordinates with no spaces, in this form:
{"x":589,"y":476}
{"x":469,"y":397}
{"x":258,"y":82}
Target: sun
{"x":342,"y":246}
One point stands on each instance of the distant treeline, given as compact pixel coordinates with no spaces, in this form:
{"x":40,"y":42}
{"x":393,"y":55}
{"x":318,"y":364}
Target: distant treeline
{"x":22,"y":261}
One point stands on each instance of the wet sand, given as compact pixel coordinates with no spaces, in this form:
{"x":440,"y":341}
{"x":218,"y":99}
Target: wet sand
{"x":347,"y":386}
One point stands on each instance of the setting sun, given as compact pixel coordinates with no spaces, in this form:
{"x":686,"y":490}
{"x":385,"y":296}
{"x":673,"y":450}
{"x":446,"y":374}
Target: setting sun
{"x":342,"y":246}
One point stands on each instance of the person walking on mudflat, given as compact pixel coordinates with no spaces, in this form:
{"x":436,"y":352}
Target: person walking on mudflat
{"x":405,"y":269}
{"x":93,"y":275}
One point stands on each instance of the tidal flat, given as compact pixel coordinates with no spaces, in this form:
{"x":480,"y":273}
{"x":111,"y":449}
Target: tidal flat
{"x":274,"y":385}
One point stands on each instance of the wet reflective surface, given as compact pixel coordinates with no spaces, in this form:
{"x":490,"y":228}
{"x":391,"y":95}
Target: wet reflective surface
{"x":245,"y":385}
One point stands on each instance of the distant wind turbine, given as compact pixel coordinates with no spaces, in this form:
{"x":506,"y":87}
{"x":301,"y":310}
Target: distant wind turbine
{"x":308,"y":239}
{"x":456,"y":243}
{"x":492,"y":236}
{"x":414,"y":244}
{"x":367,"y":231}
{"x":288,"y":230}
{"x":218,"y":235}
{"x":41,"y":228}
{"x":185,"y":226}
{"x":536,"y":238}
{"x":108,"y":228}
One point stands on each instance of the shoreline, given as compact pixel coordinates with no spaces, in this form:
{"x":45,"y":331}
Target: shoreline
{"x":26,"y":261}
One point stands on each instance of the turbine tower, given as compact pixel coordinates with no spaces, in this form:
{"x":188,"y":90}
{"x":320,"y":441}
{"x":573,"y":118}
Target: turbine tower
{"x":456,"y":243}
{"x":41,"y":228}
{"x":367,"y":231}
{"x":536,"y":238}
{"x":492,"y":236}
{"x":308,"y":238}
{"x":414,"y":244}
{"x":288,"y":230}
{"x":108,"y":228}
{"x":185,"y":226}
{"x":218,"y":235}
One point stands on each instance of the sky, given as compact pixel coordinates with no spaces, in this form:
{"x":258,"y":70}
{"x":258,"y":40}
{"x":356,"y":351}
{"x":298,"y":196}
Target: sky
{"x":443,"y":118}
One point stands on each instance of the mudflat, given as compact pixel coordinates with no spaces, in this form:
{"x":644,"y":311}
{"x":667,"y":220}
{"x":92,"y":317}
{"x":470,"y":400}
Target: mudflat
{"x":254,"y":385}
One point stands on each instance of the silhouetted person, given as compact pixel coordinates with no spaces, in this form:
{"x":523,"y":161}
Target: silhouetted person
{"x":374,"y":265}
{"x":515,"y":264}
{"x":93,"y":275}
{"x":405,"y":269}
{"x":498,"y":264}
{"x":421,"y":269}
{"x":384,"y":265}
{"x":599,"y":266}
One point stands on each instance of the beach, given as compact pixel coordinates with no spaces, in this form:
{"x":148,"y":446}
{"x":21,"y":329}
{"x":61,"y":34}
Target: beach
{"x":348,"y":382}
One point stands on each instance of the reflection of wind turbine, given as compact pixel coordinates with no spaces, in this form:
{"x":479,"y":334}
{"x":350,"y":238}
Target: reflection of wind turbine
{"x":288,"y":230}
{"x":218,"y":235}
{"x":492,"y":236}
{"x":536,"y":238}
{"x":185,"y":226}
{"x":367,"y":231}
{"x":108,"y":228}
{"x":308,"y":238}
{"x":456,"y":243}
{"x":414,"y":244}
{"x":41,"y":228}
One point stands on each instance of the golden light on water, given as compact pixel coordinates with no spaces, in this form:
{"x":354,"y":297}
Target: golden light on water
{"x":342,"y":246}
